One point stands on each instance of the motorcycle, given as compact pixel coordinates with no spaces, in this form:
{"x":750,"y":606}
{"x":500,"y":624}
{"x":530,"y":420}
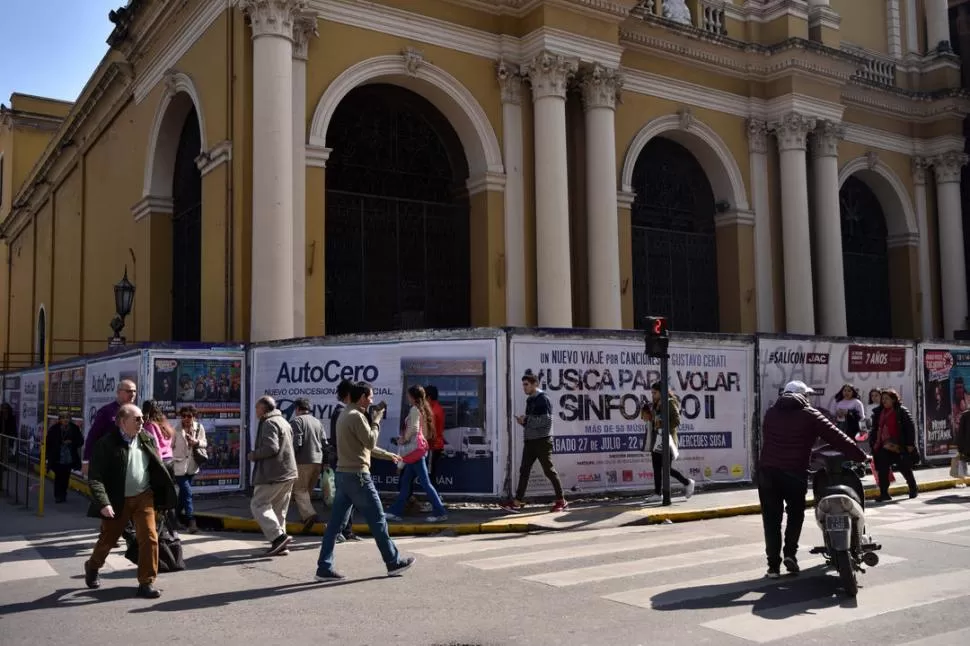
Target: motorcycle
{"x":840,"y":514}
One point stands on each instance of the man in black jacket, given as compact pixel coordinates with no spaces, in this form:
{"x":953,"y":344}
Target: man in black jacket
{"x":788,"y":432}
{"x":343,"y":400}
{"x":128,"y":481}
{"x":64,"y":444}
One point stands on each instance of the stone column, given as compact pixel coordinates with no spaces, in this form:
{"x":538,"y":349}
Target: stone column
{"x":920,"y":166}
{"x":937,"y":26}
{"x":304,"y":28}
{"x":761,"y":203}
{"x":827,"y":243}
{"x":953,"y":278}
{"x":549,"y":74}
{"x":791,"y":132}
{"x":601,"y":89}
{"x":510,"y":81}
{"x":271,"y":315}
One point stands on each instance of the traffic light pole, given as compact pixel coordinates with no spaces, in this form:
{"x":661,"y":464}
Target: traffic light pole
{"x":665,"y":407}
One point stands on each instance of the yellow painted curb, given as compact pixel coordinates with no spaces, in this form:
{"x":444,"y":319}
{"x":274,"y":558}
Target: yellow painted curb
{"x":653,"y":516}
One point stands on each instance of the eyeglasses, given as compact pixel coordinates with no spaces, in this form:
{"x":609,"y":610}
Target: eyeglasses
{"x":186,"y":416}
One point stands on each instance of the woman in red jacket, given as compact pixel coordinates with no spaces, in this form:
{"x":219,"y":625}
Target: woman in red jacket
{"x":893,"y":441}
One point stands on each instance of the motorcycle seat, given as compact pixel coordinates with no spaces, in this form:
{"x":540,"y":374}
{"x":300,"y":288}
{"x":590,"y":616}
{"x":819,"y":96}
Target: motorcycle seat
{"x":842,"y":490}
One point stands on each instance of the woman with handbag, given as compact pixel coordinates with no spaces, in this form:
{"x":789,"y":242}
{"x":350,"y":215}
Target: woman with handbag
{"x":653,"y":413}
{"x":188,"y":451}
{"x":413,"y":446}
{"x":893,"y":443}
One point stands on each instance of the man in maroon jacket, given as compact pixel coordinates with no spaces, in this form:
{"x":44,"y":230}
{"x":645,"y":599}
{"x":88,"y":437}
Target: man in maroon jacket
{"x":789,"y":431}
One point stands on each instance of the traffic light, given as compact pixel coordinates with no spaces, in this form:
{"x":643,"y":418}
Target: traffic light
{"x":657,"y":336}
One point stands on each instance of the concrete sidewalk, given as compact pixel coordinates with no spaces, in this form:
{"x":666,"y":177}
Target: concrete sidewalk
{"x":232,"y":512}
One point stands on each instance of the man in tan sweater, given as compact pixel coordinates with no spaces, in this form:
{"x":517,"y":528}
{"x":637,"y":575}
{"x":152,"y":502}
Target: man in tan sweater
{"x":357,"y":430}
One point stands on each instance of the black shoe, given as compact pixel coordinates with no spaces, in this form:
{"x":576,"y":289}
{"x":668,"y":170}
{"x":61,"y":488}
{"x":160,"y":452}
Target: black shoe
{"x":352,"y":538}
{"x":913,"y":492}
{"x":884,"y":498}
{"x":309,"y":523}
{"x":91,"y":577}
{"x":147,"y":591}
{"x":279,"y":545}
{"x":400,"y":567}
{"x":791,"y":564}
{"x":772,"y":573}
{"x":328,"y":576}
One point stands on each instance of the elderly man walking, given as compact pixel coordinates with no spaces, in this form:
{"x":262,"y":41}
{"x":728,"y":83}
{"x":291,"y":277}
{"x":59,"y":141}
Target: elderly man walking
{"x":273,"y":475}
{"x":104,"y":419}
{"x":309,"y":442}
{"x":128,"y":481}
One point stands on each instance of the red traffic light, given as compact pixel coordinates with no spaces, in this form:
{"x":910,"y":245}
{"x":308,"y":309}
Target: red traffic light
{"x":657,"y":326}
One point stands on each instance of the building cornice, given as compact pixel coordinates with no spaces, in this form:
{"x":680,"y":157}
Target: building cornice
{"x":29,"y":120}
{"x":109,"y":74}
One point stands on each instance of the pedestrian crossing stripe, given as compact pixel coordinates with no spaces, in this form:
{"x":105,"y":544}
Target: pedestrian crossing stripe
{"x":589,"y":549}
{"x":807,"y":616}
{"x":566,"y":578}
{"x":19,"y":560}
{"x":493,"y":542}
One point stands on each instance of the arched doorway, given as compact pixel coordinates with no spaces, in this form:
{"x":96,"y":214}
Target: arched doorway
{"x":865,"y":261}
{"x":673,"y":237}
{"x":397,"y":215}
{"x":187,"y":234}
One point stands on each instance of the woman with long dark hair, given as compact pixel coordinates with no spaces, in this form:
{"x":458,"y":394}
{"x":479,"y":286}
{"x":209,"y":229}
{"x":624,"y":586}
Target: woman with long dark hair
{"x":156,"y":425}
{"x":849,"y":410}
{"x":413,"y":444}
{"x":893,"y":442}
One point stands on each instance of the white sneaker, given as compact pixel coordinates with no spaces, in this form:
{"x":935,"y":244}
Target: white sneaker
{"x":652,"y":498}
{"x":689,"y":491}
{"x":393,"y":518}
{"x":425,"y":507}
{"x":437,"y":519}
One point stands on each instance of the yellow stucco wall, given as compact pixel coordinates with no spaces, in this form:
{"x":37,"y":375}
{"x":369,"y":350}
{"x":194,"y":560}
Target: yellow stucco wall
{"x":83,"y":236}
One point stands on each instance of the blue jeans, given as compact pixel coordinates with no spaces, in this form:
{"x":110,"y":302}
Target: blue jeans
{"x":417,"y":470}
{"x":357,"y":490}
{"x":185,"y":496}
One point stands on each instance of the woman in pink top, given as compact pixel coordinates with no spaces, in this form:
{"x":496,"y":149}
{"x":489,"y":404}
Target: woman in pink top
{"x":157,"y":425}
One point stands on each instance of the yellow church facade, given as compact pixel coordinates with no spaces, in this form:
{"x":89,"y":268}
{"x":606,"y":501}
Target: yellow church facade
{"x":268,"y":169}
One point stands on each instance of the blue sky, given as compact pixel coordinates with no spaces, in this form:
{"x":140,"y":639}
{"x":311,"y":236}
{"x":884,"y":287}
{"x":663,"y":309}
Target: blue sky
{"x":51,"y":47}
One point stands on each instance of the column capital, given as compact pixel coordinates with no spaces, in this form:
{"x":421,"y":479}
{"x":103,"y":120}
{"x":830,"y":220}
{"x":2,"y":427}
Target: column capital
{"x":948,"y":166}
{"x":828,"y":134}
{"x":273,"y":17}
{"x":920,"y":165}
{"x":601,"y":87}
{"x":792,"y":131}
{"x":549,"y":74}
{"x":757,"y":136}
{"x":510,"y":80}
{"x":304,"y":28}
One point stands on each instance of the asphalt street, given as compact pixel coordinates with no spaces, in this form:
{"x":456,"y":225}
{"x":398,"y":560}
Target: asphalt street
{"x":691,"y":583}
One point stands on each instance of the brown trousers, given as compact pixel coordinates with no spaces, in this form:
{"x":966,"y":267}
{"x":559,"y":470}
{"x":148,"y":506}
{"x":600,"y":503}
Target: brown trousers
{"x":307,"y":477}
{"x":141,"y":510}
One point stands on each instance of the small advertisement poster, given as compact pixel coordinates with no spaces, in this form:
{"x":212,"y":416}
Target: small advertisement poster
{"x":101,"y":384}
{"x":66,"y":395}
{"x":463,"y":371}
{"x":828,"y":366}
{"x":946,"y":396}
{"x":31,"y":420}
{"x":11,"y":397}
{"x":213,"y":385}
{"x":598,"y":387}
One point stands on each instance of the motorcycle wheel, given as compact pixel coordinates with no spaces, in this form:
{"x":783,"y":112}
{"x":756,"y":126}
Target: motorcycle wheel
{"x":843,"y":563}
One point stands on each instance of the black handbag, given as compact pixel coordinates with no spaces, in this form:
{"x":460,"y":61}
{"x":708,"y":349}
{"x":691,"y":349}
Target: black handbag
{"x":170,"y":558}
{"x":199,"y":456}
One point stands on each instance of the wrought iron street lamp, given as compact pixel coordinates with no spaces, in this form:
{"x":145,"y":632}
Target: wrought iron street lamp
{"x":124,"y":297}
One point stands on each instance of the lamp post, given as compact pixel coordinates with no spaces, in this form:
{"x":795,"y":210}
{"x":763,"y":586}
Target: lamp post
{"x":124,"y":297}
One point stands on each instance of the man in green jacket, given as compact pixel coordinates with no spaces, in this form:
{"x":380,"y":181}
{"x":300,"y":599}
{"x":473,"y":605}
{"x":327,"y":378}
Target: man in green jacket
{"x":128,"y":481}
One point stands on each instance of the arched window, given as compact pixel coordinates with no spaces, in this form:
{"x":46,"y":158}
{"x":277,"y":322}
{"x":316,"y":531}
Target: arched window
{"x":397,"y":230}
{"x":865,"y":260}
{"x":187,"y":235}
{"x":41,"y":334}
{"x":673,"y":235}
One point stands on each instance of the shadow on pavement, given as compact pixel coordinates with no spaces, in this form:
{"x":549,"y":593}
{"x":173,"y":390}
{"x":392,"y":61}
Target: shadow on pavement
{"x":70,"y":597}
{"x":948,"y":500}
{"x":812,"y":590}
{"x":225,"y":598}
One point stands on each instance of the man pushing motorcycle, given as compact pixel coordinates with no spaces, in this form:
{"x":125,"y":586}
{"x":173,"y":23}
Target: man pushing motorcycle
{"x":788,"y":432}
